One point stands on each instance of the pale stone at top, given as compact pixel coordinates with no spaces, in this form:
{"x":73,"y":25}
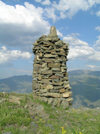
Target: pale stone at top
{"x":53,"y":32}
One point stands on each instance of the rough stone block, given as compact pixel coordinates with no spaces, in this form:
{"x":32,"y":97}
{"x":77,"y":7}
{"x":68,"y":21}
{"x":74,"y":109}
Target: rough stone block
{"x":67,"y":94}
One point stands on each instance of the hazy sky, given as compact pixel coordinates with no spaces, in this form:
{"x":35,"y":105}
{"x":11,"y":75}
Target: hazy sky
{"x":24,"y":21}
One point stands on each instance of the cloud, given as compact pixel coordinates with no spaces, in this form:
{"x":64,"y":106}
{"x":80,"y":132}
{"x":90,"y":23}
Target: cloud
{"x":73,"y":40}
{"x":6,"y":55}
{"x":81,"y":49}
{"x":97,"y":1}
{"x":95,"y":56}
{"x":50,"y":13}
{"x":97,"y":43}
{"x":68,"y":8}
{"x":77,"y":47}
{"x":93,"y":67}
{"x":98,"y":13}
{"x":46,"y":2}
{"x":97,"y":28}
{"x":19,"y":14}
{"x":59,"y":33}
{"x":20,"y":25}
{"x":38,"y":1}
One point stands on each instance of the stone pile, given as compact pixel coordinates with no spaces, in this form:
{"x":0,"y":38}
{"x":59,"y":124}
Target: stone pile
{"x":50,"y":78}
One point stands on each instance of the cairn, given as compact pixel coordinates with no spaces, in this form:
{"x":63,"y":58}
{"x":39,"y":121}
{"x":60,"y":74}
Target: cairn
{"x":50,"y":78}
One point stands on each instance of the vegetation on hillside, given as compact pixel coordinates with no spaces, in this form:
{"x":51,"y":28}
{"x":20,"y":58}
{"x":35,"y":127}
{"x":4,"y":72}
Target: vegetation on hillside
{"x":23,"y":114}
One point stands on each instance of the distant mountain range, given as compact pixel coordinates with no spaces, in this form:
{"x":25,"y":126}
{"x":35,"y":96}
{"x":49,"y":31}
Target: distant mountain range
{"x":19,"y":84}
{"x":85,"y":87}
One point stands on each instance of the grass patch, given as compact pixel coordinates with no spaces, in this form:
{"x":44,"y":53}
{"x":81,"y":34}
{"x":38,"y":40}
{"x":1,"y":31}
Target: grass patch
{"x":22,"y":114}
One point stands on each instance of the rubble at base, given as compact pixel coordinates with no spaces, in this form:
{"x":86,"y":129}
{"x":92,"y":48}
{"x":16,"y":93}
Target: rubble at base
{"x":50,"y":78}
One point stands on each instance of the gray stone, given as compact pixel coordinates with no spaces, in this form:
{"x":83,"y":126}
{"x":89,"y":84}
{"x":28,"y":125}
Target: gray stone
{"x":53,"y":32}
{"x":53,"y":95}
{"x":67,"y":94}
{"x":49,"y":56}
{"x":50,"y":78}
{"x":54,"y":65}
{"x":62,"y":90}
{"x":59,"y":43}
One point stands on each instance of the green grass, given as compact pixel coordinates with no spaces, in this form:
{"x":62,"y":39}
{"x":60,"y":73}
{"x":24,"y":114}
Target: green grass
{"x":22,"y":114}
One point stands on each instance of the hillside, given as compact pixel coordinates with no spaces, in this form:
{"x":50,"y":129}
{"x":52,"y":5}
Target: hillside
{"x":85,"y":87}
{"x":23,"y":114}
{"x":19,"y":84}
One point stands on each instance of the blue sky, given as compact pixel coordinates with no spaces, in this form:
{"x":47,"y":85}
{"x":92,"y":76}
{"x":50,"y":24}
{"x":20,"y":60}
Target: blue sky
{"x":24,"y":21}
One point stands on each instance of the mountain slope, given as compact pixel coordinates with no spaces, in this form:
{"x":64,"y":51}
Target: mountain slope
{"x":86,"y":87}
{"x":19,"y":84}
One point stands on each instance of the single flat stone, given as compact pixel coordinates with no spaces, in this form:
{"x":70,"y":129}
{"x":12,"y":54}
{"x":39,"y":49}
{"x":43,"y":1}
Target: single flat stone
{"x":54,"y":65}
{"x":39,"y":77}
{"x":46,"y":81}
{"x":53,"y":95}
{"x":49,"y":55}
{"x":63,"y":69}
{"x":49,"y":87}
{"x":62,"y":90}
{"x":67,"y":94}
{"x":46,"y":72}
{"x":59,"y":43}
{"x":44,"y":65}
{"x":48,"y":60}
{"x":57,"y":83}
{"x":67,"y":86}
{"x":37,"y":67}
{"x":56,"y":69}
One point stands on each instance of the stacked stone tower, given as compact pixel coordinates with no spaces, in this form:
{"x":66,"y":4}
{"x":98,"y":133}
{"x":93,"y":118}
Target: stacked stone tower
{"x":50,"y":78}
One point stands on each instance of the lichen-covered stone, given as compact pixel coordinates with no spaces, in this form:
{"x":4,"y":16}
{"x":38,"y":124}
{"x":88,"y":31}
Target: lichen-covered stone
{"x":50,"y":78}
